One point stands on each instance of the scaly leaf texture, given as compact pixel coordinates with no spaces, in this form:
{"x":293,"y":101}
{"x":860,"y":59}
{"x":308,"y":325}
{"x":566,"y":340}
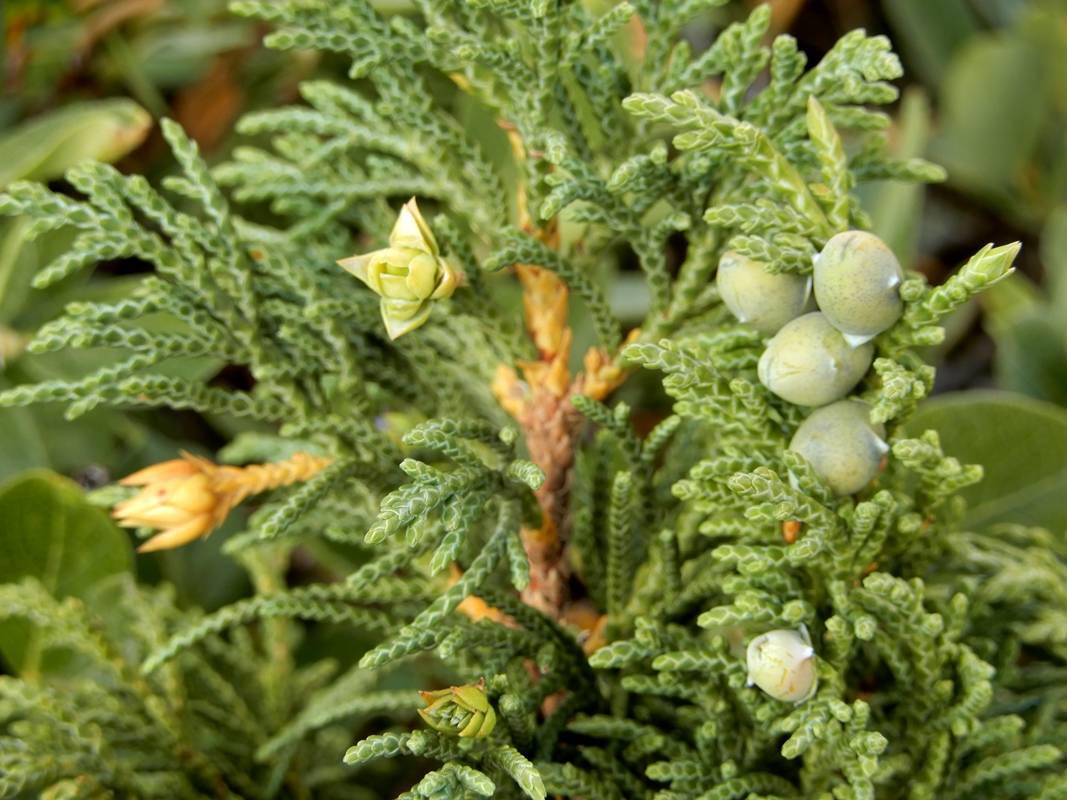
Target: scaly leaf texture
{"x":684,"y":546}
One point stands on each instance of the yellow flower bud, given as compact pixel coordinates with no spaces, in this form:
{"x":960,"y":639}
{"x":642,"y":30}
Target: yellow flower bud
{"x":408,"y":275}
{"x":190,"y":496}
{"x":460,"y":710}
{"x":176,"y":499}
{"x":782,"y":663}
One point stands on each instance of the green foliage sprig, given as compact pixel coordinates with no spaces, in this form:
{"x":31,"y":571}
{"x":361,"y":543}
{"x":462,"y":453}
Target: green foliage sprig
{"x":678,"y":542}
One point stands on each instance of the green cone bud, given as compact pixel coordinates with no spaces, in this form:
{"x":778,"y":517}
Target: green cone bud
{"x":857,"y":285}
{"x":460,"y":711}
{"x":809,"y":363}
{"x":757,"y":298}
{"x":408,"y":275}
{"x":842,"y":444}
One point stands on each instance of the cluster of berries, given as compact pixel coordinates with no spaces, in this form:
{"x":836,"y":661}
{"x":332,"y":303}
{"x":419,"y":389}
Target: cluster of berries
{"x":821,"y":345}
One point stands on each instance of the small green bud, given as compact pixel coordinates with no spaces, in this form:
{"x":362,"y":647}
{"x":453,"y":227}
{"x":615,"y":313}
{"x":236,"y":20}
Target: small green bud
{"x":865,"y":627}
{"x":809,"y":363}
{"x":990,"y":266}
{"x":842,"y":445}
{"x":857,"y":285}
{"x":460,"y":711}
{"x":408,"y":275}
{"x":782,"y":663}
{"x":758,"y":298}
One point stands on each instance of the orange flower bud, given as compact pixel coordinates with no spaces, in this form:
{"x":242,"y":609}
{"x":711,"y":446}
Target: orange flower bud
{"x":190,"y":496}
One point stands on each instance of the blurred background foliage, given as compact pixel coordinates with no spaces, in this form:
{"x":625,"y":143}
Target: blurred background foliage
{"x":985,"y":94}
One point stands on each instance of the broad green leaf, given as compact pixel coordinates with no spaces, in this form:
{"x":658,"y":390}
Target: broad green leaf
{"x":1031,"y":358}
{"x":52,"y":534}
{"x":44,"y":147}
{"x":1021,"y":443}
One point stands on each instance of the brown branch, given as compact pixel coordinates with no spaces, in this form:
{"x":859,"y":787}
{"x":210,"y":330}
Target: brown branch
{"x":541,"y":403}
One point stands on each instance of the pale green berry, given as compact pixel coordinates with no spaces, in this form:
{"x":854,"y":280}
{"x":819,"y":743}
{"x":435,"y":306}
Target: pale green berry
{"x":757,"y":298}
{"x":782,"y":663}
{"x":842,"y":445}
{"x":857,"y":285}
{"x":809,"y":363}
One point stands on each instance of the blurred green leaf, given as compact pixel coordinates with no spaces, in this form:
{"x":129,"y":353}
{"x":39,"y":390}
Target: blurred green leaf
{"x":1031,"y":359}
{"x":1054,"y":259}
{"x":998,"y":13}
{"x":629,"y":296}
{"x":17,"y":266}
{"x":1007,"y":301}
{"x":23,"y":447}
{"x":21,"y":306}
{"x":203,"y":575}
{"x":258,"y":447}
{"x":131,"y":70}
{"x":896,"y":207}
{"x":994,"y":103}
{"x":1029,"y":326}
{"x":46,"y":304}
{"x":172,"y":57}
{"x":72,"y":447}
{"x":929,"y":33}
{"x":73,"y":364}
{"x":53,"y":534}
{"x":43,"y":148}
{"x":1021,"y":443}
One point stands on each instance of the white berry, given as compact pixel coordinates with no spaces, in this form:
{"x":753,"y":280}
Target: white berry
{"x":782,"y":663}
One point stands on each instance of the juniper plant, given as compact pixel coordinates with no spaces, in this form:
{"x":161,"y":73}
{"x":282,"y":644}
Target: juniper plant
{"x":517,"y":530}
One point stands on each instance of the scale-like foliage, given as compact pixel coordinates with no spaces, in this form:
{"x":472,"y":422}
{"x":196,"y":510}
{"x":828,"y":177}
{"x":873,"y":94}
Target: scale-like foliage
{"x":431,"y":517}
